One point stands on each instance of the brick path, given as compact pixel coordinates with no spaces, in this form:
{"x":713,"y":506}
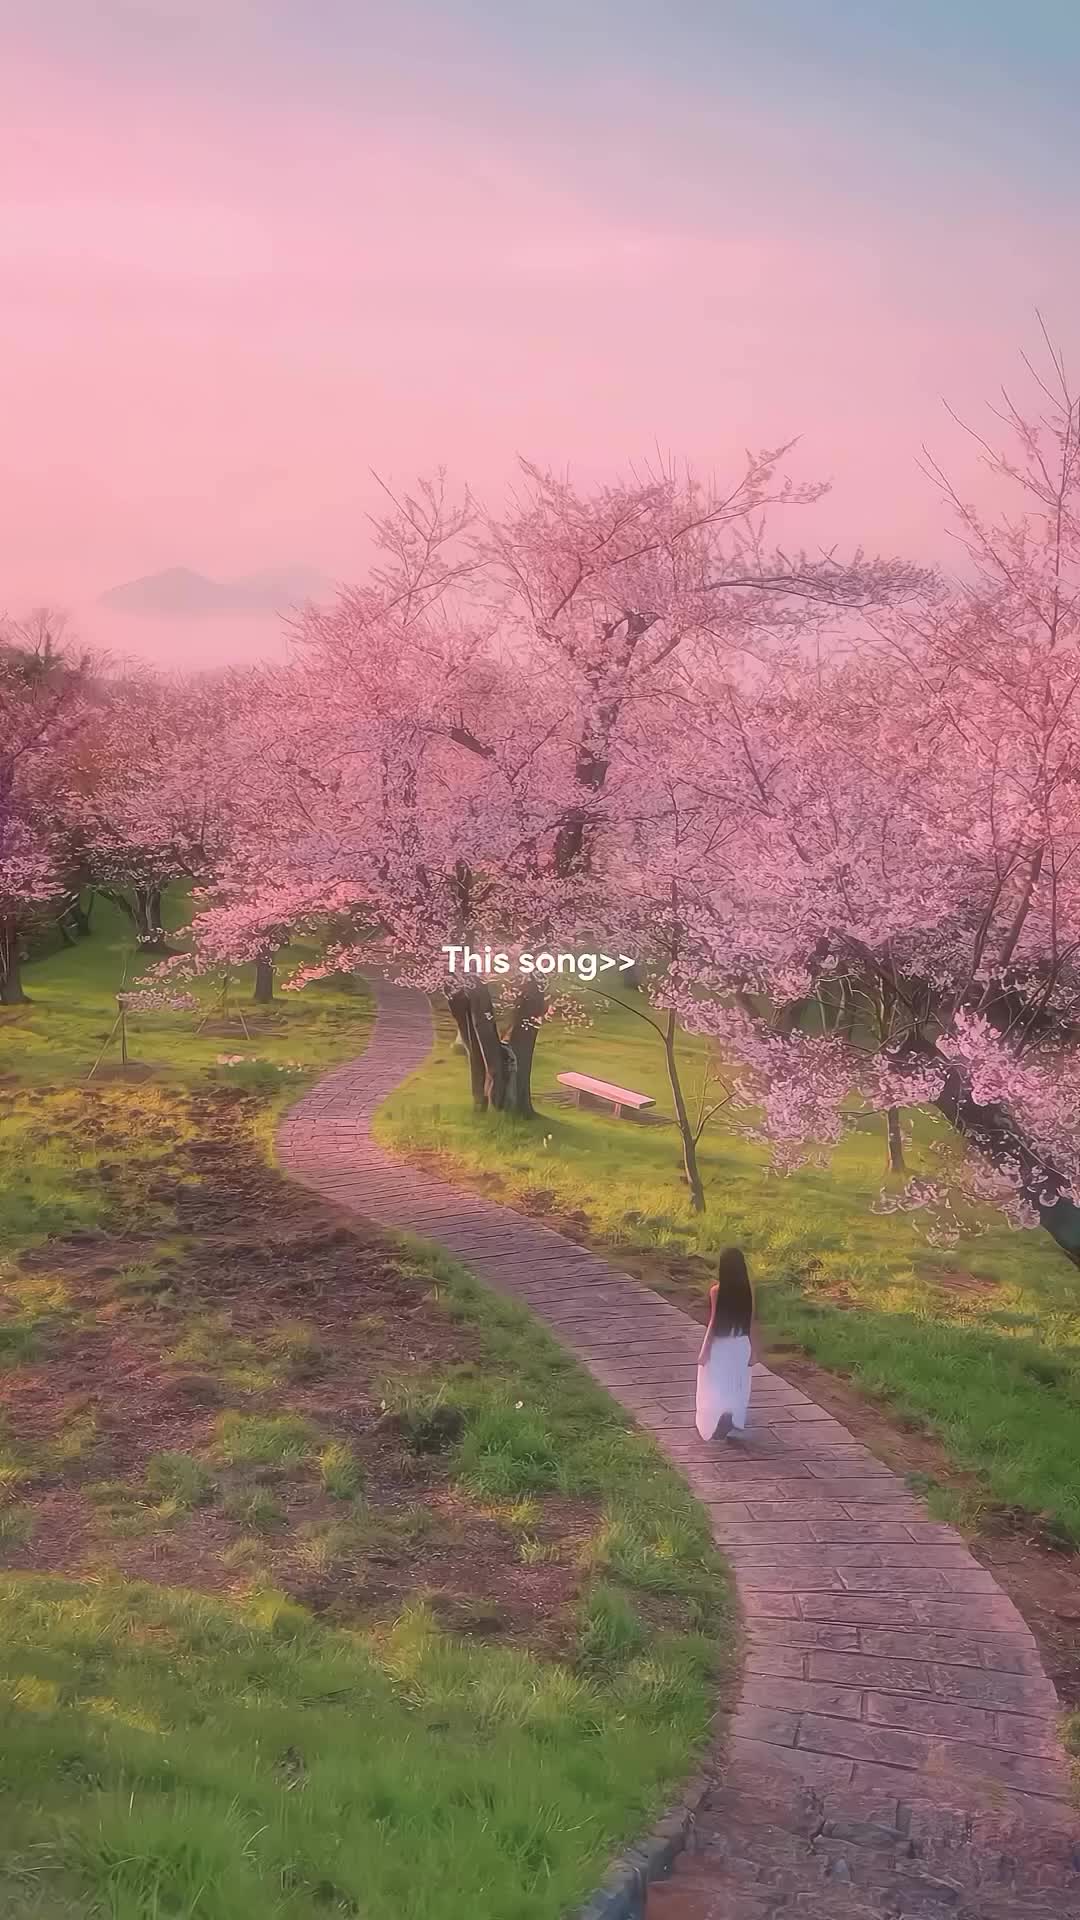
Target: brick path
{"x":894,"y":1748}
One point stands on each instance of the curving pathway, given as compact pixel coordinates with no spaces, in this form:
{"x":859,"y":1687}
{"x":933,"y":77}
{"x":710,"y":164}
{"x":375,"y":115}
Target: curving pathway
{"x":895,"y":1747}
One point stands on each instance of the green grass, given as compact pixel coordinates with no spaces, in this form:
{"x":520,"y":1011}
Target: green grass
{"x":263,"y":1440}
{"x":52,"y":1183}
{"x":529,"y":1421}
{"x":165,"y":1753}
{"x":994,"y":1374}
{"x":168,"y":1754}
{"x":72,"y":994}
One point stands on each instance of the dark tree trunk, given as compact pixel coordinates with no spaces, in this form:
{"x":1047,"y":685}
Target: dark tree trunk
{"x":11,"y":987}
{"x":686,"y":1131}
{"x":264,"y":980}
{"x":527,"y":1017}
{"x":144,"y":911}
{"x":460,"y":1006}
{"x":993,"y":1132}
{"x":895,"y":1159}
{"x":497,"y":1057}
{"x":789,"y":1018}
{"x":149,"y":915}
{"x":500,"y":1071}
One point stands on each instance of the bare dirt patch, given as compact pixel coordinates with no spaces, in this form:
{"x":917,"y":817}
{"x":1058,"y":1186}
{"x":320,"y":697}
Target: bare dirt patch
{"x":261,"y":1301}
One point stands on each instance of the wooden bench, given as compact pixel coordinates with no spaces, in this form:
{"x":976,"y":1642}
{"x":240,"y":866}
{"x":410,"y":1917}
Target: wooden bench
{"x":618,"y":1097}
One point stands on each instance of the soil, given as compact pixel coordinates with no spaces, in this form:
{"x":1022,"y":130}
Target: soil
{"x":135,"y":1071}
{"x":256,"y":1019}
{"x":250,"y":1255}
{"x":1040,"y":1574}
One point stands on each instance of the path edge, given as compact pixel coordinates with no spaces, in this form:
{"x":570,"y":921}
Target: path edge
{"x":622,"y":1893}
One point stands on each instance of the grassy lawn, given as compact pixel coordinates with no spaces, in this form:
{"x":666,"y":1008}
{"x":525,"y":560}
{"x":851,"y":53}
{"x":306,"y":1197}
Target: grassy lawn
{"x":980,"y":1344}
{"x":328,"y":1585}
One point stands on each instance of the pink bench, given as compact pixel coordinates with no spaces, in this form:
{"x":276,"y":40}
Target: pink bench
{"x":617,"y":1097}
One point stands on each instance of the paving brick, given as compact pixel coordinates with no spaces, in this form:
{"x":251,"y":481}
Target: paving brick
{"x":1025,"y":1733}
{"x":859,"y":1670}
{"x":787,"y":1510}
{"x":995,"y":1612}
{"x":919,"y":1713}
{"x":931,"y":1533}
{"x":804,"y":1633}
{"x":906,"y":1580}
{"x":890,"y":1746}
{"x":974,"y":1579}
{"x":765,"y":1533}
{"x":796,"y":1695}
{"x":774,"y":1663}
{"x":1012,"y":1692}
{"x":795,"y":1579}
{"x":921,"y":1643}
{"x":770,"y":1606}
{"x":757,"y":1758}
{"x":850,"y":1463}
{"x":869,"y":1491}
{"x":858,"y":1609}
{"x":749,"y":1559}
{"x":873,"y":1513}
{"x":860,"y":1533}
{"x":775,"y":1725}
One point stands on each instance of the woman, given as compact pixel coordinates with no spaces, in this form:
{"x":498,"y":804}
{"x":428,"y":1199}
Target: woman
{"x":723,"y":1376}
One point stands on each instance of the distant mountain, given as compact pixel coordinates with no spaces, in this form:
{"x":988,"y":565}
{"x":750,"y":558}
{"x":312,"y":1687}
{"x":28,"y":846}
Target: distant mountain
{"x":180,"y":591}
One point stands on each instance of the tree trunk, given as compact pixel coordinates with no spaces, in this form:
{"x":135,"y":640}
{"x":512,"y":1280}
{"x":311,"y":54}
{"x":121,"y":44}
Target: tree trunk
{"x":500,"y":1071}
{"x":522,"y":1043}
{"x":993,"y":1132}
{"x":895,"y":1160}
{"x":497,"y":1057}
{"x":264,"y":980}
{"x":789,"y":1017}
{"x":144,"y":911}
{"x":686,"y":1131}
{"x":11,"y":987}
{"x":461,"y":1006}
{"x":148,"y":917}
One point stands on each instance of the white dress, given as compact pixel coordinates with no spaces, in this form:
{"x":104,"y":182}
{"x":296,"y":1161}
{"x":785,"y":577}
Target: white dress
{"x":723,"y":1382}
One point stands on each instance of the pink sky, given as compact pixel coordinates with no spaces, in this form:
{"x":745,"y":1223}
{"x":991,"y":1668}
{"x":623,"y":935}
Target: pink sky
{"x":219,"y":312}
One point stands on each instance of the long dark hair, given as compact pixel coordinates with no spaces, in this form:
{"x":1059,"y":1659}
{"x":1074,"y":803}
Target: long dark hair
{"x":732,"y":1296}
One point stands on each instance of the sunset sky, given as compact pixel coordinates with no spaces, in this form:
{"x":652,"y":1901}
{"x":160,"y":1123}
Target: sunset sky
{"x":252,"y":249}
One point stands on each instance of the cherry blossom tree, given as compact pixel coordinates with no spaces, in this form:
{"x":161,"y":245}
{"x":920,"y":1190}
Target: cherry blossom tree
{"x":156,"y":786}
{"x":42,"y":714}
{"x":913,"y":854}
{"x":462,"y":718}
